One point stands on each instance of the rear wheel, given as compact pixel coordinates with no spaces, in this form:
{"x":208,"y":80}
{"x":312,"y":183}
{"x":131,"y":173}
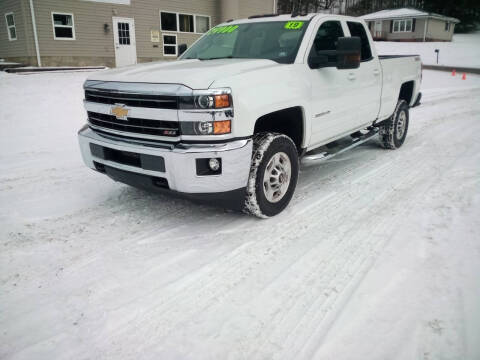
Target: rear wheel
{"x":394,"y":131}
{"x":273,"y":174}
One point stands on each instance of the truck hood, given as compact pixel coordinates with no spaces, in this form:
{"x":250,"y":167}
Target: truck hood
{"x":195,"y":74}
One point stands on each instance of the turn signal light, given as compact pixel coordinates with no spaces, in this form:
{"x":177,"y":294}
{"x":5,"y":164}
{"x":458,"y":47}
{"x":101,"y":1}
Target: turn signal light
{"x":222,"y":101}
{"x":222,"y":127}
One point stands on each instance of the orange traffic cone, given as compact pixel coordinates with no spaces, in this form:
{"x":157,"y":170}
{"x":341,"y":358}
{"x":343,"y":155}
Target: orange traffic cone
{"x":454,"y":72}
{"x":464,"y":76}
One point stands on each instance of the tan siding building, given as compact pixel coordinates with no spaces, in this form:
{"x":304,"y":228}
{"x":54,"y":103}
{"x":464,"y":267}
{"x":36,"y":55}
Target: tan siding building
{"x":410,"y":25}
{"x":112,"y":32}
{"x":21,"y":45}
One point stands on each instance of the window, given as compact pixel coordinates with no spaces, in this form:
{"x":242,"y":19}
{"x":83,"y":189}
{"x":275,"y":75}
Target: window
{"x":63,"y":26}
{"x":11,"y":28}
{"x":447,"y":26}
{"x":273,"y":40}
{"x":326,"y":41}
{"x":168,"y":21}
{"x":123,"y":33}
{"x":169,"y":44}
{"x":408,"y":25}
{"x":396,"y":26}
{"x":185,"y":23}
{"x":403,"y":25}
{"x":202,"y":23}
{"x":357,"y":29}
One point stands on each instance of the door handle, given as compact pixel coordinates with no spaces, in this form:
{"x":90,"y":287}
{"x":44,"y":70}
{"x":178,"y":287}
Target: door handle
{"x":376,"y":72}
{"x":351,"y":76}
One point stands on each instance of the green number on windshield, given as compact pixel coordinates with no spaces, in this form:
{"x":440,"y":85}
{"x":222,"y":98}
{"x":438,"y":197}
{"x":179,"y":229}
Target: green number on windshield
{"x":294,"y":25}
{"x":223,"y":29}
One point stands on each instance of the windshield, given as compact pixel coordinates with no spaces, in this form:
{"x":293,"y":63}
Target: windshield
{"x":274,"y":40}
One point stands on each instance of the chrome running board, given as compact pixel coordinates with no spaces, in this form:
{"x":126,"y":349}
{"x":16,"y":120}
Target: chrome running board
{"x":325,"y":155}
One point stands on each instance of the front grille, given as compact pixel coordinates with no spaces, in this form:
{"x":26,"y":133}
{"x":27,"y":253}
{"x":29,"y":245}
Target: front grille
{"x":134,"y":125}
{"x":135,"y":100}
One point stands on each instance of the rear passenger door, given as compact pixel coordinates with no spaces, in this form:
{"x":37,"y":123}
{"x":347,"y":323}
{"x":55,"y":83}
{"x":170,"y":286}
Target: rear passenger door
{"x":367,"y":79}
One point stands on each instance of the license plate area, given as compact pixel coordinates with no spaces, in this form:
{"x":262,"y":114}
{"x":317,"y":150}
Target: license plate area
{"x":142,"y":161}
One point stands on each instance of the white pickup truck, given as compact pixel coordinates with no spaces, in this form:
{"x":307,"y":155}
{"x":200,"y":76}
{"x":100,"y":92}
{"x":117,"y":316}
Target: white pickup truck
{"x":231,"y":119}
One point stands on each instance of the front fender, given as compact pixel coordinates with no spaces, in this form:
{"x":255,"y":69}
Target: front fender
{"x":265,"y":91}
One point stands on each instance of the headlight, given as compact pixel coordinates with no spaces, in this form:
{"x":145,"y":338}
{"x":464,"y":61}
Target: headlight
{"x":206,"y":127}
{"x":210,"y":112}
{"x":207,"y":99}
{"x":212,"y":101}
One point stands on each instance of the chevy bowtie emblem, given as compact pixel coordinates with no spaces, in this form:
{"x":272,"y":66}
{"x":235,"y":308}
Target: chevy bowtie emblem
{"x":120,"y":111}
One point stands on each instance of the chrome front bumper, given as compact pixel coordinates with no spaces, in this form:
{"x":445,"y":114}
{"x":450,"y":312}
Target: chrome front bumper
{"x":180,"y":162}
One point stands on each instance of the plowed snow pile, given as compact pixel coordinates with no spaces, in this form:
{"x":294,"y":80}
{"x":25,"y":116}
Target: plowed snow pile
{"x":463,"y":50}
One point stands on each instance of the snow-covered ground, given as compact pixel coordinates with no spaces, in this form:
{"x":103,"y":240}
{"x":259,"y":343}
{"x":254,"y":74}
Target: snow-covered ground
{"x":377,"y":257}
{"x":464,"y":50}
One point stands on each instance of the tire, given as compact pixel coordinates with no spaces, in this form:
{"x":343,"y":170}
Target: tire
{"x":268,"y":192}
{"x":394,"y":131}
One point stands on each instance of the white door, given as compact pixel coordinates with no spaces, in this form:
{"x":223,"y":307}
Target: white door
{"x":124,"y":41}
{"x":366,"y":81}
{"x":333,"y":93}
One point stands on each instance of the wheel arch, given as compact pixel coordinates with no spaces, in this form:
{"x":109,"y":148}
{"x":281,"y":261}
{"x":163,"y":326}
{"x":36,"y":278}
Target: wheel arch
{"x":288,"y":121}
{"x":406,"y":91}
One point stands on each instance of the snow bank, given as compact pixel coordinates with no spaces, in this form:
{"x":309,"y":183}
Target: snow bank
{"x":464,"y":50}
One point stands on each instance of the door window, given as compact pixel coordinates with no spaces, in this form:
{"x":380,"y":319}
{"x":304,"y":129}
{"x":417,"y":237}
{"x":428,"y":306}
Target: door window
{"x":123,"y":33}
{"x":325,"y":42}
{"x":357,"y":29}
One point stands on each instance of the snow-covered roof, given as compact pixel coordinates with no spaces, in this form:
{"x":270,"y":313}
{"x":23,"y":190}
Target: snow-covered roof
{"x":405,"y":12}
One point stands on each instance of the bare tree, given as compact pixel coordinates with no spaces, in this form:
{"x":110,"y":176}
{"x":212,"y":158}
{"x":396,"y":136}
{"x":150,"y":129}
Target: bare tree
{"x":305,"y":6}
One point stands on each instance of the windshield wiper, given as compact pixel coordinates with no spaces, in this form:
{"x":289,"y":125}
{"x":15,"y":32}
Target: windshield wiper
{"x":215,"y":58}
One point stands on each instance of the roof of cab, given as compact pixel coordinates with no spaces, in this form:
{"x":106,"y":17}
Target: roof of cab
{"x":285,"y":17}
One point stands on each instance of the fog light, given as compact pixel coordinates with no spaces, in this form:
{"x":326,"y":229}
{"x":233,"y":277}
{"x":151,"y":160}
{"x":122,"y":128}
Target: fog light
{"x":214,"y":164}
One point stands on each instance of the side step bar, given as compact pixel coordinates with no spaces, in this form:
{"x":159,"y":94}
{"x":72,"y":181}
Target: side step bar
{"x":325,"y":155}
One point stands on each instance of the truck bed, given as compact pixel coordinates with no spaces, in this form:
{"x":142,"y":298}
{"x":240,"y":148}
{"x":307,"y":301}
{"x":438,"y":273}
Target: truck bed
{"x":398,"y":70}
{"x":385,"y":57}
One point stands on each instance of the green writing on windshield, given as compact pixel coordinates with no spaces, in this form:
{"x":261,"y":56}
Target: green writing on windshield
{"x":294,"y":25}
{"x":223,"y":29}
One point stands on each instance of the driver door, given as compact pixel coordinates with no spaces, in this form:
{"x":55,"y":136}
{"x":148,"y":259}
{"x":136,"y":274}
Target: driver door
{"x":332,"y":93}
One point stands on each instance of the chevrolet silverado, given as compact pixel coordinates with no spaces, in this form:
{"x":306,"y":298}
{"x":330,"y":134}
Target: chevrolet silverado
{"x":231,"y":120}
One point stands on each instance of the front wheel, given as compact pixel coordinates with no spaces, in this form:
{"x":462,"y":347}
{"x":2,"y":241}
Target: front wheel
{"x":394,"y":131}
{"x":273,"y":174}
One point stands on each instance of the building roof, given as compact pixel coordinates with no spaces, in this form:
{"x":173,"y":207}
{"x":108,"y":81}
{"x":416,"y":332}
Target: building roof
{"x":404,"y":13}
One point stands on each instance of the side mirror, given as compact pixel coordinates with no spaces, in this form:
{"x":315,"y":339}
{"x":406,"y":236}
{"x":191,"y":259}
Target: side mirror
{"x":181,"y":49}
{"x":317,"y":61}
{"x":349,"y":52}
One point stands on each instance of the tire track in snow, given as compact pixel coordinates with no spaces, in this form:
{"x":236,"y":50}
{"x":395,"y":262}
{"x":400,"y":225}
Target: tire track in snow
{"x":230,"y":270}
{"x":208,"y":290}
{"x":212,"y":288}
{"x":329,"y":273}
